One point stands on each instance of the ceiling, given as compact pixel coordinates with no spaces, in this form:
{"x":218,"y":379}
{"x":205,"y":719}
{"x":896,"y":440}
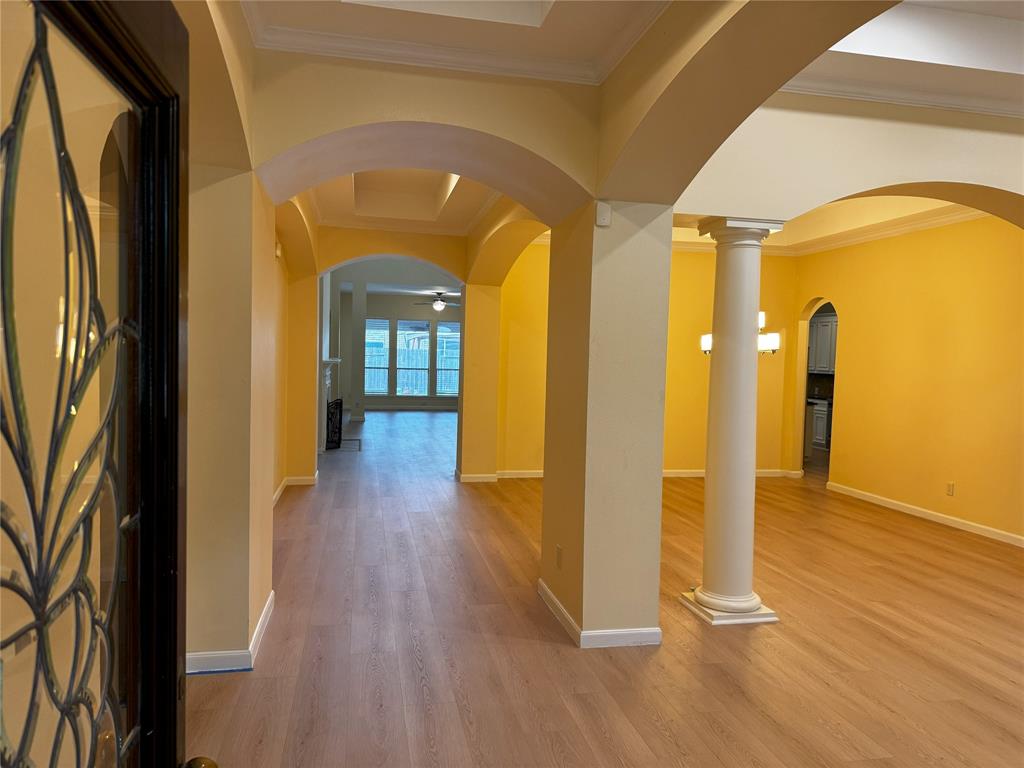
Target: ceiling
{"x":405,"y":199}
{"x":399,"y":275}
{"x":966,"y":56}
{"x":840,"y":223}
{"x":576,"y":41}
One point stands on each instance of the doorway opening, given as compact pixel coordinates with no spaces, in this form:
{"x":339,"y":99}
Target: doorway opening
{"x":391,"y":343}
{"x":822,"y":332}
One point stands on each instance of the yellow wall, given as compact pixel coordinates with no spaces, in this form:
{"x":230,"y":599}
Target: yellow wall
{"x":476,"y":452}
{"x":930,"y":382}
{"x":929,"y":367}
{"x":523,"y":363}
{"x":300,"y":445}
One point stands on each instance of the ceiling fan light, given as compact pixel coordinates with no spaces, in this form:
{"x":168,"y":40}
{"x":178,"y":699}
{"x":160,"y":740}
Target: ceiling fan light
{"x":438,"y":304}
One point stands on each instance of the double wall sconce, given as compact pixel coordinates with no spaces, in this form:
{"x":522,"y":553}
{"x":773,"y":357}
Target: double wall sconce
{"x":767,"y":343}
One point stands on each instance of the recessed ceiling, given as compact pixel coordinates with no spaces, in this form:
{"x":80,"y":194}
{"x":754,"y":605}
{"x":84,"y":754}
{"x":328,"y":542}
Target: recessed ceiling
{"x":576,"y":41}
{"x":406,"y":200}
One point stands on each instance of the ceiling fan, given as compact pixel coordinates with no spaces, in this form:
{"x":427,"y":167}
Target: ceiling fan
{"x":439,"y":301}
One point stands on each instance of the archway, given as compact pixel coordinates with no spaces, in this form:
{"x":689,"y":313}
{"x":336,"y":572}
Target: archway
{"x":537,"y":183}
{"x":387,"y":344}
{"x":816,"y":334}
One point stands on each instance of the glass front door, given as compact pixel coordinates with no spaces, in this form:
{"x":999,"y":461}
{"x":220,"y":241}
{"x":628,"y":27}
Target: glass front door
{"x":73,"y":252}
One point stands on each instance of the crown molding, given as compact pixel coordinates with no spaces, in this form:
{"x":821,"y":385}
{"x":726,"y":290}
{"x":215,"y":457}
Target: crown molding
{"x":937,"y":217}
{"x":280,"y":38}
{"x":813,"y":86}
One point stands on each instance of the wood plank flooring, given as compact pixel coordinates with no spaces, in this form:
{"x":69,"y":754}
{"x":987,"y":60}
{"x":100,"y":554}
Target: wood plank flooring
{"x":408,"y":632}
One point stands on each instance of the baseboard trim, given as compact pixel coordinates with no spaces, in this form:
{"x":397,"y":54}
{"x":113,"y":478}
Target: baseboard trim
{"x":555,"y":606}
{"x":303,"y":480}
{"x":758,"y":473}
{"x":462,"y":477}
{"x":520,"y":473}
{"x":618,"y":638}
{"x":261,"y":628}
{"x":280,"y":490}
{"x":936,"y":517}
{"x":209,"y":662}
{"x":596,"y":638}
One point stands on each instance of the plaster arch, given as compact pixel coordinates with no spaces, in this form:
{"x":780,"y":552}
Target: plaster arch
{"x":522,"y":174}
{"x":827,"y":149}
{"x":700,"y":71}
{"x":342,"y":245}
{"x":495,"y":245}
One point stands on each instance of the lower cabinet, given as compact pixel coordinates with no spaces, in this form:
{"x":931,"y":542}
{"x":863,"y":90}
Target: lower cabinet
{"x":819,"y":425}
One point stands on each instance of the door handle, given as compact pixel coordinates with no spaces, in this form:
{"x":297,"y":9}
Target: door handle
{"x":201,"y":762}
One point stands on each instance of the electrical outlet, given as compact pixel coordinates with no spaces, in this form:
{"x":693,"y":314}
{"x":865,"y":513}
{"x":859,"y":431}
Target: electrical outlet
{"x":950,"y":488}
{"x":558,"y":556}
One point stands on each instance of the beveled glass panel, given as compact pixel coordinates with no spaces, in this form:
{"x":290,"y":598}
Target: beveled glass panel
{"x":68,"y":659}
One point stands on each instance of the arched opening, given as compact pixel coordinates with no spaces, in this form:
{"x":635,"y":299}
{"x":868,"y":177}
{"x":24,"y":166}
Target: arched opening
{"x":817,"y":332}
{"x":390,"y":340}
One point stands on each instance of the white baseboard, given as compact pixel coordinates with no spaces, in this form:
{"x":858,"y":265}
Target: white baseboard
{"x":512,"y":473}
{"x":303,"y":480}
{"x":280,"y":490}
{"x":596,"y":638}
{"x":294,"y":481}
{"x":759,"y":473}
{"x":617,"y":638}
{"x":937,"y":517}
{"x":261,"y":628}
{"x":462,"y":477}
{"x":232,"y":661}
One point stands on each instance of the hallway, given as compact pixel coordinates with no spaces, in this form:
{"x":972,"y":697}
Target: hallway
{"x":408,"y":631}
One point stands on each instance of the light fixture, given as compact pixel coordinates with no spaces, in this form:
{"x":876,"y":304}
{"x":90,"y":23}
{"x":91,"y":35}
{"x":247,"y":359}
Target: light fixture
{"x":438,"y":304}
{"x":767,"y":343}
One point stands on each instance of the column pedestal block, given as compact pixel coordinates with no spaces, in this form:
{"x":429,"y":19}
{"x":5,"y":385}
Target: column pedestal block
{"x":762,"y":615}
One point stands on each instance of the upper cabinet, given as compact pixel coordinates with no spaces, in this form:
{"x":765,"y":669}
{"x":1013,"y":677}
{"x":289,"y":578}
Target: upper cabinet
{"x":821,"y":353}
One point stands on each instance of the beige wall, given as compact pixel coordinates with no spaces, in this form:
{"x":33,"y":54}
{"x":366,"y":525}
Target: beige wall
{"x":269,"y":278}
{"x":219,"y":409}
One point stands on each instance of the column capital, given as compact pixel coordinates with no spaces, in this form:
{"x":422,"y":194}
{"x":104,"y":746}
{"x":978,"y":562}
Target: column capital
{"x":730,"y":229}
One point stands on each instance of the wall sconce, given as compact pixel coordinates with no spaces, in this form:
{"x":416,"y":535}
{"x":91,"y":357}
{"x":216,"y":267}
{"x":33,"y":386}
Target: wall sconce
{"x":767,"y":343}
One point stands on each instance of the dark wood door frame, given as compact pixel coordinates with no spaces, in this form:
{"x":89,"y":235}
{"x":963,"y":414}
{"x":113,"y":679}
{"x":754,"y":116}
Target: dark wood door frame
{"x":143,"y":49}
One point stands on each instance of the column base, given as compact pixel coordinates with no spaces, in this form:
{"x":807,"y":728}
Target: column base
{"x":761,"y":615}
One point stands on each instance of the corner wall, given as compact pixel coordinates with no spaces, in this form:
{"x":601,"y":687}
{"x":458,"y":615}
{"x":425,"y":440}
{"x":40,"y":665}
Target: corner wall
{"x":235,"y":388}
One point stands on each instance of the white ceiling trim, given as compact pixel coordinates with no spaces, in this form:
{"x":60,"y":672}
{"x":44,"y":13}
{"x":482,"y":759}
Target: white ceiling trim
{"x":293,"y":40}
{"x":878,"y":92}
{"x":935,"y":217}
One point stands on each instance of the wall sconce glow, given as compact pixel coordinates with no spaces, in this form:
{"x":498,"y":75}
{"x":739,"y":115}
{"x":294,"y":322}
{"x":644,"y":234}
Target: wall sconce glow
{"x":438,"y":304}
{"x":768,"y":343}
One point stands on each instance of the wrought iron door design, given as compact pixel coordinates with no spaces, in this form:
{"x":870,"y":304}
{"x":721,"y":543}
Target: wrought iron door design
{"x":69,"y":511}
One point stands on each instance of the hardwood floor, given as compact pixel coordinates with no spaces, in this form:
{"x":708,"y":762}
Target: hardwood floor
{"x":408,"y":632}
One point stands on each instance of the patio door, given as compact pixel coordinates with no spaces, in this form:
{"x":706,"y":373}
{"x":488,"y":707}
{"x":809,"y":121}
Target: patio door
{"x":93,"y":165}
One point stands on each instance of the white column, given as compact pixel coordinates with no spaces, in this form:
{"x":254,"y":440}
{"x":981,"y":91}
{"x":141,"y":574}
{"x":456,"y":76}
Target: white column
{"x":358,"y":381}
{"x":727,"y":594}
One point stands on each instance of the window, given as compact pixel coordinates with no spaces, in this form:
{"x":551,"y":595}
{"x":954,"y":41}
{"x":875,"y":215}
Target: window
{"x":377,"y":344}
{"x":413,"y":365}
{"x":449,"y":343}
